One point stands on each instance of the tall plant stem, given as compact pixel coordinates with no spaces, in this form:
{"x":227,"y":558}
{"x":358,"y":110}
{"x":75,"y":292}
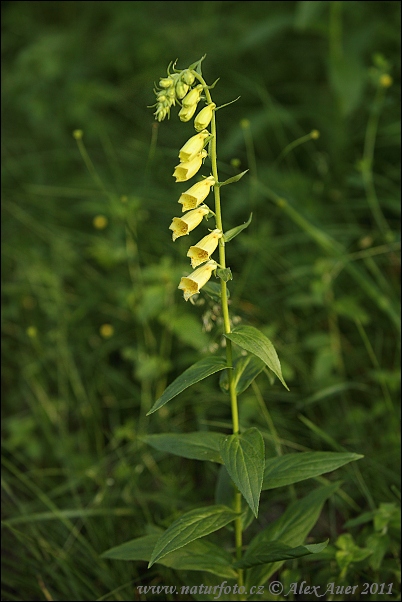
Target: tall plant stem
{"x":226,"y":319}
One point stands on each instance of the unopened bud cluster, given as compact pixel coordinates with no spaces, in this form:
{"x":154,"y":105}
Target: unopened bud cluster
{"x":181,"y":87}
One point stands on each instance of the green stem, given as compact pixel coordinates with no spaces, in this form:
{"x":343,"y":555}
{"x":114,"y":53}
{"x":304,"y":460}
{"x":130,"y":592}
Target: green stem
{"x":226,"y":319}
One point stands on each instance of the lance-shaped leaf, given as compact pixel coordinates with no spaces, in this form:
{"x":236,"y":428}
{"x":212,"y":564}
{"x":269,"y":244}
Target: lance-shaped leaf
{"x":199,"y":555}
{"x":239,"y":175}
{"x":276,"y":551}
{"x":196,"y":372}
{"x":243,"y":456}
{"x":252,"y":340}
{"x":293,"y":468}
{"x":190,"y":526}
{"x":201,"y":445}
{"x":235,"y":231}
{"x":291,"y":529}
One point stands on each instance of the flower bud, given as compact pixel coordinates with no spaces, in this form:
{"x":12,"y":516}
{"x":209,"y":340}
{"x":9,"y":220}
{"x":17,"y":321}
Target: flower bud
{"x":203,"y":250}
{"x":204,"y":117}
{"x":183,"y":225}
{"x":193,"y":146}
{"x":181,"y":89}
{"x":192,"y":284}
{"x":188,"y":169}
{"x":188,"y":77}
{"x":193,"y":97}
{"x":195,"y":195}
{"x":186,"y":113}
{"x":166,"y":82}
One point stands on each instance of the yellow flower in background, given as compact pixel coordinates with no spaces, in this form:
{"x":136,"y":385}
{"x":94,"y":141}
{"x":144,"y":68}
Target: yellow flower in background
{"x":193,"y":146}
{"x":106,"y":331}
{"x":100,"y":222}
{"x":204,"y":249}
{"x":183,"y":225}
{"x":193,"y":97}
{"x":190,"y":285}
{"x":186,"y":170}
{"x":204,"y":117}
{"x":195,"y":195}
{"x":186,"y":113}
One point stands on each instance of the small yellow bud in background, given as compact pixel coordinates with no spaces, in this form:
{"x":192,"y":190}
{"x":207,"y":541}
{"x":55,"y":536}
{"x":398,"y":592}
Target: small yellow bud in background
{"x":100,"y":222}
{"x":193,"y":97}
{"x":195,"y":195}
{"x":386,"y":81}
{"x":204,"y":117}
{"x":106,"y":331}
{"x":314,"y":134}
{"x":192,"y":284}
{"x":186,"y":170}
{"x":78,"y":134}
{"x":183,"y":225}
{"x":32,"y":332}
{"x":188,"y":77}
{"x":203,"y":250}
{"x":186,"y":113}
{"x":193,"y":146}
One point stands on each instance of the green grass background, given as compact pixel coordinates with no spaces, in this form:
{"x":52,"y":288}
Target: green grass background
{"x":317,"y":270}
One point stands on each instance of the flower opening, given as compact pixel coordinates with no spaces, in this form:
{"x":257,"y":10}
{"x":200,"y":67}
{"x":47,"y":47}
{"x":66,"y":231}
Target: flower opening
{"x":186,"y":113}
{"x":192,"y":284}
{"x":186,"y":170}
{"x":183,"y":225}
{"x":195,"y":195}
{"x":203,"y":250}
{"x":193,"y":146}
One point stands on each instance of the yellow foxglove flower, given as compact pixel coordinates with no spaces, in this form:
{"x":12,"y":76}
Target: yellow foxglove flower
{"x":195,"y":195}
{"x":193,"y":146}
{"x":186,"y":113}
{"x":183,"y":225}
{"x":197,"y":279}
{"x":204,"y":117}
{"x":186,"y":170}
{"x":193,"y":97}
{"x":203,"y":250}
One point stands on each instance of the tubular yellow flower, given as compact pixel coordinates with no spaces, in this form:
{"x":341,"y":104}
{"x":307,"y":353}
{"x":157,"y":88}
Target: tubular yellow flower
{"x":193,"y":146}
{"x":183,"y":225}
{"x":181,"y":89}
{"x":192,"y":284}
{"x":186,"y":170}
{"x":186,"y":113}
{"x":203,"y":250}
{"x":195,"y":195}
{"x":193,"y":97}
{"x":204,"y":117}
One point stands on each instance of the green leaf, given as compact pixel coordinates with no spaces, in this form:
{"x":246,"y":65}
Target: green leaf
{"x":239,"y":175}
{"x":291,"y":529}
{"x":224,"y":274}
{"x":279,"y":551}
{"x":245,"y":369}
{"x":199,"y":555}
{"x":213,"y":290}
{"x":196,"y":372}
{"x":252,"y":340}
{"x":243,"y":456}
{"x":293,"y":468}
{"x":190,"y":526}
{"x":235,"y":231}
{"x":201,"y":445}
